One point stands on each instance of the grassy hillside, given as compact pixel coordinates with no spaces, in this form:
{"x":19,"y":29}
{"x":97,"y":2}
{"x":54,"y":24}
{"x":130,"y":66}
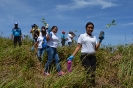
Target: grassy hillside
{"x":20,"y":68}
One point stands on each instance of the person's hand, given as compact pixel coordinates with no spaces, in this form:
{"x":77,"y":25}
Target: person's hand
{"x":49,"y":30}
{"x":70,"y":58}
{"x":32,"y":48}
{"x":101,"y":36}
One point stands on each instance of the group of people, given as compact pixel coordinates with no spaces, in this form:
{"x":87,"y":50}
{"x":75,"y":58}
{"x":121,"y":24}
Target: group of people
{"x":47,"y":40}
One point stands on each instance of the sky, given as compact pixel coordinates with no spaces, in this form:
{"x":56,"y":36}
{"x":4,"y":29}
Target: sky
{"x":71,"y":15}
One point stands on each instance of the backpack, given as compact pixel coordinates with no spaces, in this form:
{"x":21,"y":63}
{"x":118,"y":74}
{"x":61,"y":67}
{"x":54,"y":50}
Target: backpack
{"x":44,"y":43}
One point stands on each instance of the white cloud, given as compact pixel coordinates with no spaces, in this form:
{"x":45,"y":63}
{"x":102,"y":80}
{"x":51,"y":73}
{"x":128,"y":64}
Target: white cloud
{"x":79,"y":4}
{"x":126,"y":24}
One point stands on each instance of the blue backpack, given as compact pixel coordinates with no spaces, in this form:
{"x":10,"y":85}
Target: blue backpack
{"x":44,"y":43}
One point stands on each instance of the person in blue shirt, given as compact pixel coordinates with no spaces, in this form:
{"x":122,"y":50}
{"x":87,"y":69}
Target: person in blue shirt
{"x":16,"y":35}
{"x":63,"y":38}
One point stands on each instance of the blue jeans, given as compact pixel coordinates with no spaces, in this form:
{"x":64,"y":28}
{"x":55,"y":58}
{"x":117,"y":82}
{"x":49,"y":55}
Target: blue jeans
{"x":70,"y":43}
{"x":52,"y":55}
{"x":40,"y":53}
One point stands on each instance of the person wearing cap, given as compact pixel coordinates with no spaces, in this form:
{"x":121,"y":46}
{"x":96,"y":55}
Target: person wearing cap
{"x":88,"y":45}
{"x":52,"y":44}
{"x":38,"y":43}
{"x":16,"y":35}
{"x":35,"y":32}
{"x":63,"y":38}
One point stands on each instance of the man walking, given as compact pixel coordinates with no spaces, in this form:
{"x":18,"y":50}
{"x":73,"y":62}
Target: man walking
{"x":16,"y":35}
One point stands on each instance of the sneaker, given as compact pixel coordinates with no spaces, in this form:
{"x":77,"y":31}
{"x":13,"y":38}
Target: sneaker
{"x":61,"y":73}
{"x":46,"y":73}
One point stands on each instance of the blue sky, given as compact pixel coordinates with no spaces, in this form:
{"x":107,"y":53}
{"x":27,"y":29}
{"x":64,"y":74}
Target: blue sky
{"x":71,"y":15}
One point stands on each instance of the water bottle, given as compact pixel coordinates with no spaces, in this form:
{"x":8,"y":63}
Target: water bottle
{"x":69,"y":66}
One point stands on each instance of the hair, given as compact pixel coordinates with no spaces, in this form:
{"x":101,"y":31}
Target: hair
{"x":43,"y":27}
{"x":89,"y":23}
{"x":54,"y":27}
{"x":70,"y":32}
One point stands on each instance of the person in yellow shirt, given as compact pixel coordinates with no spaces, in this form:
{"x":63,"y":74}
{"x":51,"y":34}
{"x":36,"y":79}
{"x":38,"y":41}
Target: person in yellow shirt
{"x":35,"y":32}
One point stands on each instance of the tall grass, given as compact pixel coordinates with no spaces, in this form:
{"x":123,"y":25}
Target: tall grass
{"x":20,"y":68}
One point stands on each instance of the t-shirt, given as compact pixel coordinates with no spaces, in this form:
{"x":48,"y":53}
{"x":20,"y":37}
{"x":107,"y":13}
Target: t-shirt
{"x":69,"y":37}
{"x":53,"y":42}
{"x":88,"y":43}
{"x":40,"y":40}
{"x":63,"y":36}
{"x":16,"y":31}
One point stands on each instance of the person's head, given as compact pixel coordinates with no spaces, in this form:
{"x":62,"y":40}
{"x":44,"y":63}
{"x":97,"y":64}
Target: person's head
{"x":54,"y":29}
{"x":16,"y":24}
{"x":33,"y":26}
{"x":43,"y":30}
{"x":89,"y":28}
{"x":63,"y":32}
{"x":70,"y":32}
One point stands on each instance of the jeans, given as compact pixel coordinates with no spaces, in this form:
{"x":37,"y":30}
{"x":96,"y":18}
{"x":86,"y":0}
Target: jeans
{"x":40,"y":53}
{"x":69,"y":43}
{"x":34,"y":41}
{"x":52,"y":55}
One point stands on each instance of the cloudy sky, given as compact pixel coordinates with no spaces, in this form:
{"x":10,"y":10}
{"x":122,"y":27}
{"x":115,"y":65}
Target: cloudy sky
{"x":70,"y":15}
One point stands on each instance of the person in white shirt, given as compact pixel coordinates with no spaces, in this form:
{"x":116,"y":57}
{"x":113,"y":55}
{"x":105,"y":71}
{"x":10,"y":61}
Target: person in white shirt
{"x":39,"y":42}
{"x":69,"y":38}
{"x":52,"y":44}
{"x":88,"y":44}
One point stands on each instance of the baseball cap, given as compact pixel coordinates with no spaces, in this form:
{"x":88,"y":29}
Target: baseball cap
{"x":15,"y":22}
{"x":63,"y":32}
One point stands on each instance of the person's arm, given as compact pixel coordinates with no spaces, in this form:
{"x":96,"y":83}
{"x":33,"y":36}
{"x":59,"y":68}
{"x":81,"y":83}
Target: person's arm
{"x":100,"y":40}
{"x":77,"y":49}
{"x":31,"y":31}
{"x":48,"y":36}
{"x":12,"y":35}
{"x":21,"y":34}
{"x":97,"y":45}
{"x":36,"y":43}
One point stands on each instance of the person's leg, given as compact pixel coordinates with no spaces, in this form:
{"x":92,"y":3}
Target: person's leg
{"x":19,"y":41}
{"x":63,"y":42}
{"x":93,"y":68}
{"x":50,"y":52}
{"x":42,"y":53}
{"x":15,"y":41}
{"x":85,"y":62}
{"x":39,"y":54}
{"x":90,"y":67}
{"x":57,"y":61}
{"x":70,"y":43}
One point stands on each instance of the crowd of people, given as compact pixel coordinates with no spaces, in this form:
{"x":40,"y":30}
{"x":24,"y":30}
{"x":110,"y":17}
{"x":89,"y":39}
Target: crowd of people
{"x":46,"y":40}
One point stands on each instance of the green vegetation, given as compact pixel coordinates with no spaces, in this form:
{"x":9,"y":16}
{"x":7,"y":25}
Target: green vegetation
{"x":20,"y":68}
